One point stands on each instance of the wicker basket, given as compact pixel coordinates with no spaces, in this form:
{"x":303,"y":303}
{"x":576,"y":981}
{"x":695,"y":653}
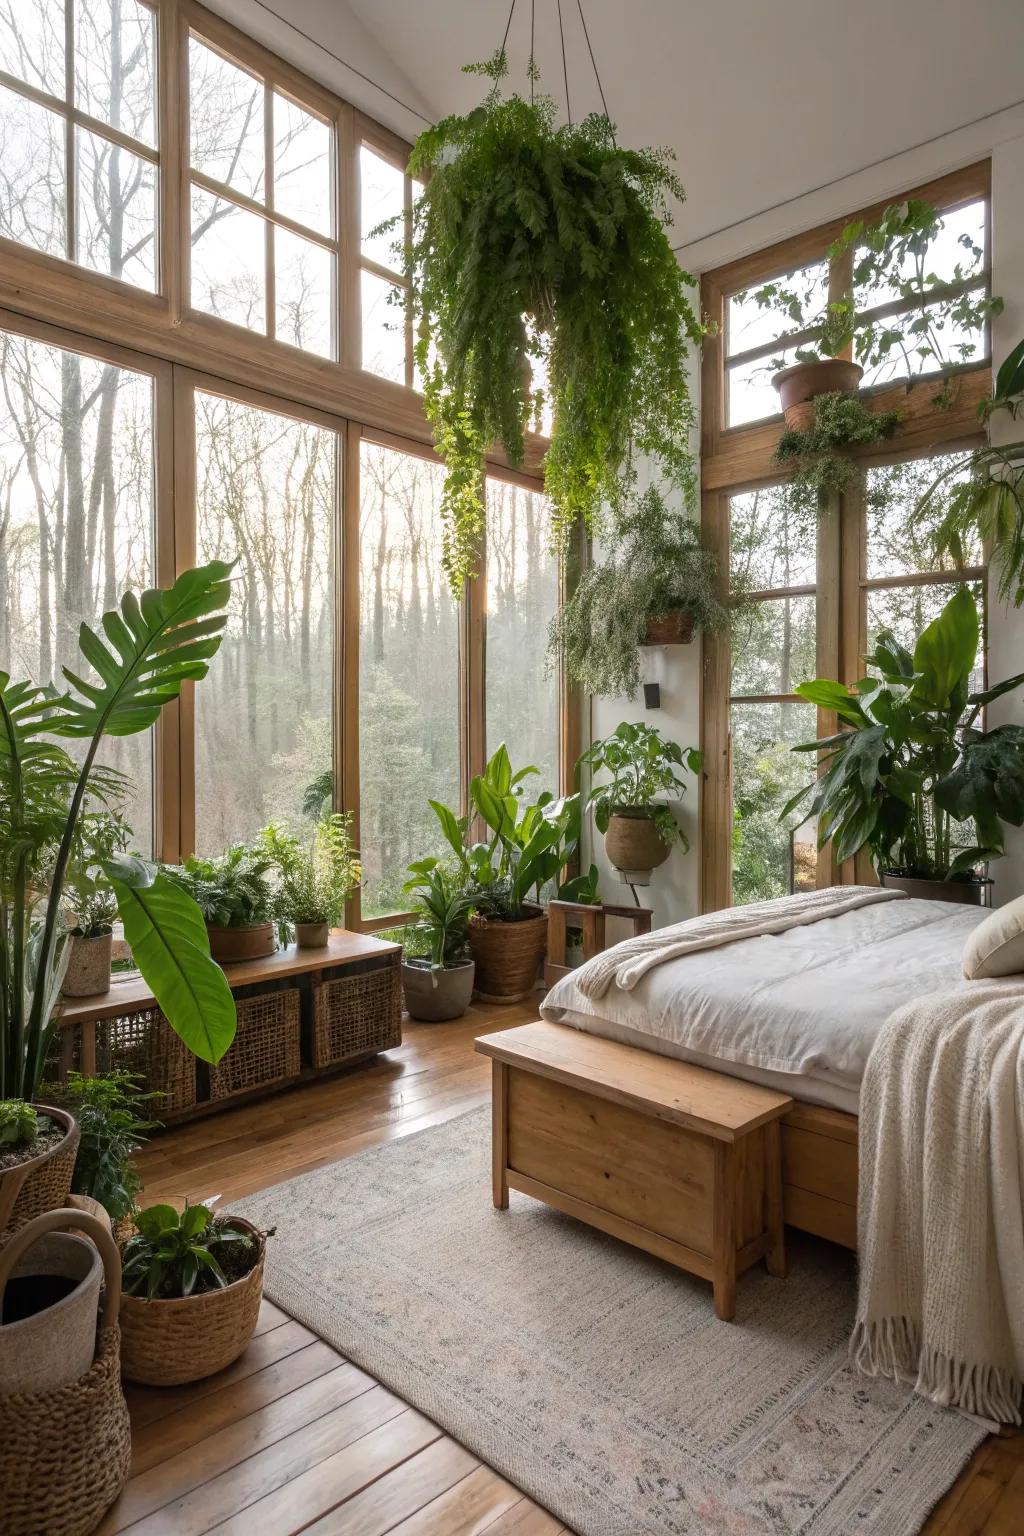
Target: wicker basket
{"x":507,"y":956}
{"x":357,"y":1015}
{"x":42,"y":1183}
{"x":167,"y":1343}
{"x":265,"y":1048}
{"x":146,"y":1044}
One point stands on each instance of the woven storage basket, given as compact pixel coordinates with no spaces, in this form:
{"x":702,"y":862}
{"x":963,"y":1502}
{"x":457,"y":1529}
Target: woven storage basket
{"x":167,"y":1343}
{"x":356,"y":1015}
{"x":146,"y":1044}
{"x":42,"y":1184}
{"x":265,"y":1048}
{"x":507,"y":956}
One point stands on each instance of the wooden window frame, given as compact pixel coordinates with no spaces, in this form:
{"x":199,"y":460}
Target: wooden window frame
{"x":739,"y":458}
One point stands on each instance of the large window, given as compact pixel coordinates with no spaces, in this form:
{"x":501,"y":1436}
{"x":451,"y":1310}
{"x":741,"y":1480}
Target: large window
{"x":385,"y":194}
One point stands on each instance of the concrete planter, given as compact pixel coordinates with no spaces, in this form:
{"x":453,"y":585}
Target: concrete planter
{"x":88,"y":972}
{"x":433,"y":996}
{"x":311,"y":935}
{"x":966,"y":892}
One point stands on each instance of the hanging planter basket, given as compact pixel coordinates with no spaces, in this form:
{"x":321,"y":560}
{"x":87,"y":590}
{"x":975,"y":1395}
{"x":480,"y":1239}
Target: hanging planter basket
{"x":670,"y":629}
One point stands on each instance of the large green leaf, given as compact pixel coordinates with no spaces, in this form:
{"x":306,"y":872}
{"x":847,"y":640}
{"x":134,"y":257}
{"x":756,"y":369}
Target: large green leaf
{"x":169,"y":943}
{"x":945,"y":652}
{"x":830,"y":695}
{"x":989,"y":777}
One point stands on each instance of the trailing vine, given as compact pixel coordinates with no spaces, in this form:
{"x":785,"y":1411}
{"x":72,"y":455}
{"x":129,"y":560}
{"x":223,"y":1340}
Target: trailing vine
{"x":822,"y":463}
{"x":537,"y":243}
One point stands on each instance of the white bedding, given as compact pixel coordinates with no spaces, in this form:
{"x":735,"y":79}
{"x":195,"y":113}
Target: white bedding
{"x":799,"y":1010}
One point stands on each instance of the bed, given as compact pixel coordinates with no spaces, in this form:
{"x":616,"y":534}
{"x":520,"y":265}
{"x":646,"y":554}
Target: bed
{"x":798,"y":1011}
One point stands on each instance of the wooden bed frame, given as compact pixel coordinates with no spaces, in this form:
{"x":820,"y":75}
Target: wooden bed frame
{"x":819,"y":1146}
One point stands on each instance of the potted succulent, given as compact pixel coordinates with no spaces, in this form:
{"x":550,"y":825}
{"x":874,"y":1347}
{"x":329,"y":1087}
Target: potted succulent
{"x":657,"y":585}
{"x":909,"y":775}
{"x":234,"y":894}
{"x":92,"y":903}
{"x":639,"y":828}
{"x":439,"y":983}
{"x":890,"y":259}
{"x":141,"y":655}
{"x":191,"y":1286}
{"x":314,"y":878}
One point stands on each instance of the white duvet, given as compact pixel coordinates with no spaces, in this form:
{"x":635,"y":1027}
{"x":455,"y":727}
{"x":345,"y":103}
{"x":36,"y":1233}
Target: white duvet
{"x":798,"y":1010}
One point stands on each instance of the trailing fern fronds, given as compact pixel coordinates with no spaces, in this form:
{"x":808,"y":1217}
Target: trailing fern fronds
{"x":820,"y":456}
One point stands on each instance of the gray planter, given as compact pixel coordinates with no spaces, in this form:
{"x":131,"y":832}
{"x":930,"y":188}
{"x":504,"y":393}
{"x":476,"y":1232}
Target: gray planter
{"x":433,"y":996}
{"x":967,"y":892}
{"x":88,"y":972}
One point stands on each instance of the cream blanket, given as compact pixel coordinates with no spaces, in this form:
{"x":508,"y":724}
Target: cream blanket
{"x":626,"y":963}
{"x":941,"y":1204}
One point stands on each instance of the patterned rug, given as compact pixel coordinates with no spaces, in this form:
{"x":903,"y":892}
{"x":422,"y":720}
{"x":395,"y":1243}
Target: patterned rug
{"x":595,"y":1378}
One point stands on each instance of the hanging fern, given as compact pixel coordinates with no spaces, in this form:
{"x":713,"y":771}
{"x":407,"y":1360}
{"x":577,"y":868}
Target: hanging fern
{"x":820,"y":455}
{"x":537,"y":243}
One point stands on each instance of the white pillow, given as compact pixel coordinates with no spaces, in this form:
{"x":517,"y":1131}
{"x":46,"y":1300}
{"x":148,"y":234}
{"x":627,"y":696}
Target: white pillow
{"x":996,"y":946}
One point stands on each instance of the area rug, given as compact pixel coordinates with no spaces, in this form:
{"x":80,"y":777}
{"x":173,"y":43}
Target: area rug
{"x":595,"y":1378}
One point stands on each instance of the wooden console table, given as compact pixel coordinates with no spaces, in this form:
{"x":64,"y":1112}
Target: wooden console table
{"x":302,"y":1014}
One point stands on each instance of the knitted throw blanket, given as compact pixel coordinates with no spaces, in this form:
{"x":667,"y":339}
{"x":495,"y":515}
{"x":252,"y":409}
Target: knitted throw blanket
{"x":626,"y":963}
{"x":941,"y":1203}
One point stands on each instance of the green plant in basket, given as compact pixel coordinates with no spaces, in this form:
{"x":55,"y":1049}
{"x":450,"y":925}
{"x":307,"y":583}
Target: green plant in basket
{"x":174,"y":1255}
{"x":643,"y":766}
{"x":232,"y":891}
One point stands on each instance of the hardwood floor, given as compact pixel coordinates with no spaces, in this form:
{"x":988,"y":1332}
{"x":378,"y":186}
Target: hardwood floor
{"x":293,"y":1437}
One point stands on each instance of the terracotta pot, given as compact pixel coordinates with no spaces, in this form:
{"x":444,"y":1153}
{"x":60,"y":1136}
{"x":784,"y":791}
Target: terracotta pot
{"x":507,"y":955}
{"x":965,"y":892}
{"x":167,"y":1343}
{"x":50,"y":1292}
{"x":88,"y":972}
{"x":311,"y":935}
{"x":675,"y":628}
{"x":432,"y":996}
{"x":633,"y":842}
{"x":40,"y":1183}
{"x":230,"y":944}
{"x":803,"y":382}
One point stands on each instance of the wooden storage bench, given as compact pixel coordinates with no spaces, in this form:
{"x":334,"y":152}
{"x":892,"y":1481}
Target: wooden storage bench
{"x":677,"y":1160}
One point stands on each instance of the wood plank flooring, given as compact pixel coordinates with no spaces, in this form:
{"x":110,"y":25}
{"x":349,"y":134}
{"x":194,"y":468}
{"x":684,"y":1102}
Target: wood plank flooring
{"x":295,"y":1438}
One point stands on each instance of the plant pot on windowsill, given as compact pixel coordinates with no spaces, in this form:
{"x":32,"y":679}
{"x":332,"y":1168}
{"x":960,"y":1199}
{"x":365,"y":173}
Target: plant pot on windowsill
{"x":252,"y":942}
{"x":800,"y":385}
{"x":675,"y":628}
{"x":633,"y":841}
{"x":88,"y":972}
{"x":434,"y":995}
{"x":311,"y":935}
{"x":965,"y":892}
{"x":40,"y":1180}
{"x":508,"y":954}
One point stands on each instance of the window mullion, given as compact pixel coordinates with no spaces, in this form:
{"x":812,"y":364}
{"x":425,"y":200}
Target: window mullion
{"x":270,"y":284}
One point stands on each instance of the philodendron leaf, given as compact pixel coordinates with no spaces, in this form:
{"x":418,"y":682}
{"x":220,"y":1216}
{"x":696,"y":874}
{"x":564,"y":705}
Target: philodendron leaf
{"x":946,"y":649}
{"x":167,"y":936}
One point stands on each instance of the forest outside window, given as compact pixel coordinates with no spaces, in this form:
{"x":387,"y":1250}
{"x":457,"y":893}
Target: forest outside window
{"x":78,"y":136}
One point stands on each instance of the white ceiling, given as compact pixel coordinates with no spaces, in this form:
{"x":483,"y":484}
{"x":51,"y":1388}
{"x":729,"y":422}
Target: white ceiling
{"x":762,"y":100}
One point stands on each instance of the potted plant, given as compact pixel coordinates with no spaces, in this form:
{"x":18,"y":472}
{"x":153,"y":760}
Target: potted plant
{"x":532,"y":243}
{"x":639,"y":828}
{"x":108,"y":1109}
{"x":234,"y":894}
{"x":819,"y":454}
{"x":438,"y":984}
{"x":910,"y":776}
{"x":146,"y":650}
{"x":191,"y":1286}
{"x":656,"y":585}
{"x":92,"y":903}
{"x":314,"y":878}
{"x":890,"y":259}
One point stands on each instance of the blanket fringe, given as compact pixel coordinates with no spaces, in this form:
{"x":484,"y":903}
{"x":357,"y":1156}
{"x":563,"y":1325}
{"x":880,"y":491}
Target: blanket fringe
{"x":891,"y":1346}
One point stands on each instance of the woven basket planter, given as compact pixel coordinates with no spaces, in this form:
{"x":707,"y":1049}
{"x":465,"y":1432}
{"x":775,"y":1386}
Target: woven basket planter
{"x":675,"y":628}
{"x":265,"y":1049}
{"x":507,"y":956}
{"x":357,"y":1015}
{"x":42,"y":1183}
{"x":633,"y":841}
{"x":146,"y":1044}
{"x":167,"y":1343}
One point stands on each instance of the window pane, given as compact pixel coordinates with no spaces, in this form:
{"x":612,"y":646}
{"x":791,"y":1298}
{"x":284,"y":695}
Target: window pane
{"x":228,"y":268}
{"x":304,"y":293}
{"x":226,"y":117}
{"x":910,"y":355}
{"x":748,"y":325}
{"x":772,"y":540}
{"x":383,"y":329}
{"x":266,"y":494}
{"x":76,"y":464}
{"x":773,"y":645}
{"x":115,"y":47}
{"x":522,"y":599}
{"x":908,"y":610}
{"x":750,"y":394}
{"x":408,"y":672}
{"x":765,"y":774}
{"x":899,"y":538}
{"x":303,"y":166}
{"x":32,"y":43}
{"x":957,"y":251}
{"x":382,"y":194}
{"x":116,"y":226}
{"x":31,"y":174}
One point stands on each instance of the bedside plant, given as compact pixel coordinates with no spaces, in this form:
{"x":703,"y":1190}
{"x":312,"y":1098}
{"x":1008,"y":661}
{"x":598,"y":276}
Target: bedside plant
{"x":314,"y":877}
{"x":639,"y":828}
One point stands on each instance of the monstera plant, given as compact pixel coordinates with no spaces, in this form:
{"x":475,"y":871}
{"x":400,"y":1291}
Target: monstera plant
{"x":911,"y":775}
{"x":146,"y":650}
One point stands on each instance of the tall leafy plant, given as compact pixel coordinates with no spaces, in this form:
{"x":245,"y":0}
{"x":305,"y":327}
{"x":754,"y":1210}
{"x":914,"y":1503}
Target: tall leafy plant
{"x":148,"y":648}
{"x":533,"y":243}
{"x":911,"y":775}
{"x":642,"y":768}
